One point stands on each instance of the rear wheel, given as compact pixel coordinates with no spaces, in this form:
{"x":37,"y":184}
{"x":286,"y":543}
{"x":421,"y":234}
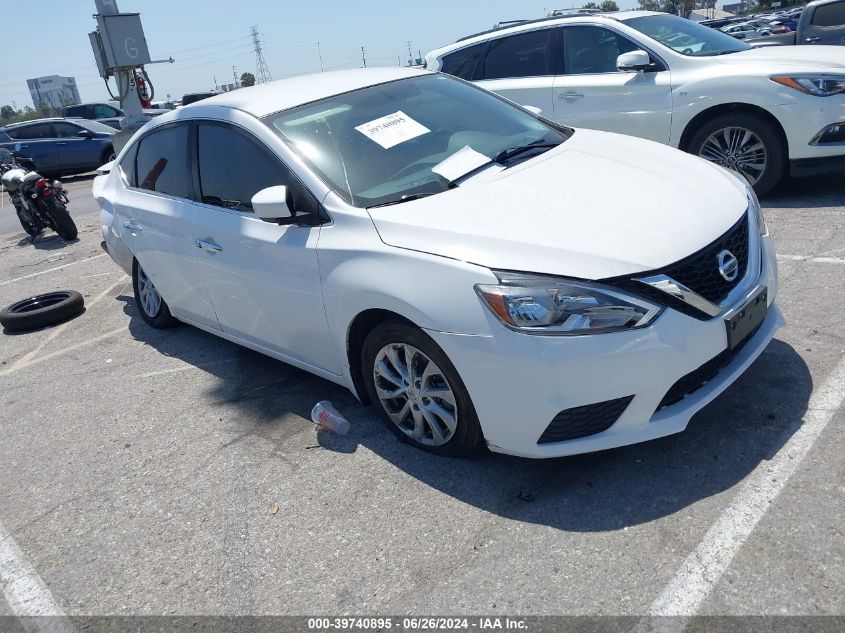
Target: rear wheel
{"x":418,"y":391}
{"x":62,"y":222}
{"x":746,"y":144}
{"x":150,"y":304}
{"x":108,"y":155}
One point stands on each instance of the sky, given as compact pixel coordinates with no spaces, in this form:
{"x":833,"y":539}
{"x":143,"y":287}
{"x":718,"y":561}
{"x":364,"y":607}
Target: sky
{"x":207,"y":38}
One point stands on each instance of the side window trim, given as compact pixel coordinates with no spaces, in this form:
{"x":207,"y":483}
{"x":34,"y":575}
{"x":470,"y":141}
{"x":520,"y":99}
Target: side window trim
{"x":662,"y":65}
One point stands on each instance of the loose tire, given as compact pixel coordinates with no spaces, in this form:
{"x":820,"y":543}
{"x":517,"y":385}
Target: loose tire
{"x":151,"y":305}
{"x":418,"y":391}
{"x":42,"y":310}
{"x":746,"y":143}
{"x":62,"y":222}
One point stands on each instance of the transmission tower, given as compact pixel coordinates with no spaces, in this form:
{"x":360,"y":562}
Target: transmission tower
{"x":262,"y":72}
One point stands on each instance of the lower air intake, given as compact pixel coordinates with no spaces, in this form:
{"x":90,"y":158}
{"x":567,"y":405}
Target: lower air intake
{"x":590,"y":419}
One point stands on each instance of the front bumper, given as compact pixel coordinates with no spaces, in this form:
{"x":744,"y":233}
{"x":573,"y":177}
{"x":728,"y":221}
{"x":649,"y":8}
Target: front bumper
{"x":804,"y":118}
{"x":519,"y":383}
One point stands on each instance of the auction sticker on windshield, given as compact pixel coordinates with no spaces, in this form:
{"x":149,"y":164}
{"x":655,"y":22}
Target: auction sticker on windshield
{"x":392,"y":129}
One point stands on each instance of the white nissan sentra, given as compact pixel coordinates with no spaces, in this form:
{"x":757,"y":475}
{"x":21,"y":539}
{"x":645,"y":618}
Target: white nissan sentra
{"x":477,"y":273}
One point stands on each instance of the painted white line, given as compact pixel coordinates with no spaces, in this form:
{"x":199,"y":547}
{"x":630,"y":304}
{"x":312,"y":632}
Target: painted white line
{"x":811,"y":259}
{"x":183,"y":368}
{"x":25,"y":592}
{"x":702,"y":569}
{"x":50,"y":270}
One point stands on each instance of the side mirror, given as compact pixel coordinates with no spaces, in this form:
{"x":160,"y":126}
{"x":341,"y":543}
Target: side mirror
{"x":532,"y":109}
{"x":271,"y":204}
{"x":85,"y":134}
{"x":633,"y":62}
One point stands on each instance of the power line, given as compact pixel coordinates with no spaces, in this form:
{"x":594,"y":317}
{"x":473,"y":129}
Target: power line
{"x":262,"y":72}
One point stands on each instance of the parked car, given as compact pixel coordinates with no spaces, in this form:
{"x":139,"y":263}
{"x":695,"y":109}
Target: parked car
{"x":752,"y":28}
{"x":105,"y":113}
{"x":60,"y":146}
{"x":760,"y":111}
{"x":196,"y":96}
{"x":477,"y":273}
{"x":821,"y":22}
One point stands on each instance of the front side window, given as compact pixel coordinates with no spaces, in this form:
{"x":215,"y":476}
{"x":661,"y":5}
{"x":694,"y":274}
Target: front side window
{"x":686,"y":37}
{"x":162,"y":162}
{"x":593,"y":49}
{"x":380,"y":144}
{"x":233,"y":168}
{"x":829,"y":14}
{"x":65,"y":130}
{"x":104,"y":112}
{"x":521,"y":55}
{"x":463,"y":63}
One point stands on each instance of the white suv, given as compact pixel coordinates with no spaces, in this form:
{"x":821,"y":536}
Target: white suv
{"x":760,"y":111}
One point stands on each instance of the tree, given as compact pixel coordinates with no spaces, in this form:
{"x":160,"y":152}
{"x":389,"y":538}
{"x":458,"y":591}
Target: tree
{"x":590,"y":5}
{"x":7,"y":112}
{"x":608,"y":5}
{"x":247,"y":79}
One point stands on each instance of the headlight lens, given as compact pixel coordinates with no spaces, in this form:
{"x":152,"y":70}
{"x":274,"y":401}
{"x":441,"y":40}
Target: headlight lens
{"x":818,"y":85}
{"x":550,"y":305}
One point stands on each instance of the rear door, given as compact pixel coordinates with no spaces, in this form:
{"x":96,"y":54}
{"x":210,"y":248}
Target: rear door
{"x":520,"y":68}
{"x":592,"y":93}
{"x":154,"y":218}
{"x":36,"y":141}
{"x":825,"y":24}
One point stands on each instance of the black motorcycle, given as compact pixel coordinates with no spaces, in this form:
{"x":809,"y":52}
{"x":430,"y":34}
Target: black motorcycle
{"x":39,"y":202}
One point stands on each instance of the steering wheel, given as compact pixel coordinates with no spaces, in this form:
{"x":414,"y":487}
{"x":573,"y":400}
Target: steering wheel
{"x":417,"y":166}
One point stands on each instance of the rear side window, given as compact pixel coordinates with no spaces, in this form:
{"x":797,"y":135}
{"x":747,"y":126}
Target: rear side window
{"x":233,"y":168}
{"x":75,"y":111}
{"x":463,"y":63}
{"x":35,"y":131}
{"x":829,"y":15}
{"x":127,"y":166}
{"x":593,"y":49}
{"x":162,"y":162}
{"x":104,"y":111}
{"x":522,"y":55}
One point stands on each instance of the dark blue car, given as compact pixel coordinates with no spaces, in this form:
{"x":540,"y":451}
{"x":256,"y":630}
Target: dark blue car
{"x":60,"y":146}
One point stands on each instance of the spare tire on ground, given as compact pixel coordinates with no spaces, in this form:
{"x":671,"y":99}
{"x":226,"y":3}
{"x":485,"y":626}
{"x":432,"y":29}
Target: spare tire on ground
{"x":42,"y":310}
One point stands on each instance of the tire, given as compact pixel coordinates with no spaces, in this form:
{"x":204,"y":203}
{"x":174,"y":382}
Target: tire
{"x":395,"y":337}
{"x":62,"y":222}
{"x":150,"y":304}
{"x":108,"y":156}
{"x":42,"y":310}
{"x":709,"y":142}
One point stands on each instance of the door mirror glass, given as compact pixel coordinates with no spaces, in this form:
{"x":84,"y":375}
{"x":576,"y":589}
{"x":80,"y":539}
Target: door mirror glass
{"x":532,"y":109}
{"x":634,"y":61}
{"x":271,"y":204}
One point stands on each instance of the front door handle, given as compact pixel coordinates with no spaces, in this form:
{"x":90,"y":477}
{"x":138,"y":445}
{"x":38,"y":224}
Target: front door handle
{"x":211,"y":247}
{"x":570,"y":96}
{"x":61,"y":143}
{"x":132,"y":226}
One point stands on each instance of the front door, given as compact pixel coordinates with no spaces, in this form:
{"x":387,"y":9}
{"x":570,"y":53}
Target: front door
{"x":593,"y":94}
{"x":263,"y":278}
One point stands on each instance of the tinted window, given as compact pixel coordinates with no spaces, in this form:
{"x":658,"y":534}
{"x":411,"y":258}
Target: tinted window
{"x":127,"y":166}
{"x":523,"y":55}
{"x":65,"y":130}
{"x":233,"y":168}
{"x":162,"y":162}
{"x":462,"y":63}
{"x":36,"y":131}
{"x":104,"y":111}
{"x":79,"y":110}
{"x":830,"y":15}
{"x":593,"y":49}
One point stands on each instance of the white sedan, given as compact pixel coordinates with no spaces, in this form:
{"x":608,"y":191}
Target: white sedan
{"x":482,"y":276}
{"x":763,"y":112}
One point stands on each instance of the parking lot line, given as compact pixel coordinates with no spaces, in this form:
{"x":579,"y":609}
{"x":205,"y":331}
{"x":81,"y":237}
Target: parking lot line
{"x":50,"y":270}
{"x":811,"y":259}
{"x":25,"y":592}
{"x":703,"y":568}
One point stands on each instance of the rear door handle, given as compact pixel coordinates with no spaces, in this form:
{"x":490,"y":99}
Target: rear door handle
{"x":211,"y":247}
{"x":570,"y":96}
{"x":132,"y":226}
{"x":812,"y":39}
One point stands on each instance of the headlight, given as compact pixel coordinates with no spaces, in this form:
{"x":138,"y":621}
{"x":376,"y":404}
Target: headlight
{"x":818,"y":85}
{"x":549,"y":305}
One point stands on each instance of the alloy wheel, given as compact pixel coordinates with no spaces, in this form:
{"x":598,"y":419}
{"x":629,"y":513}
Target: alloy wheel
{"x":736,"y":148}
{"x":150,"y":299}
{"x":415,"y":394}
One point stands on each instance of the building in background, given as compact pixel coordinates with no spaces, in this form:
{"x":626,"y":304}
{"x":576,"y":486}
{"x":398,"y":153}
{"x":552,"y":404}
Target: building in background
{"x":53,"y":92}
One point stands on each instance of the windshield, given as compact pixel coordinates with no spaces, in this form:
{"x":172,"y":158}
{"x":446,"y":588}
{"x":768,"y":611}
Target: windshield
{"x":378,"y":145}
{"x":686,"y":37}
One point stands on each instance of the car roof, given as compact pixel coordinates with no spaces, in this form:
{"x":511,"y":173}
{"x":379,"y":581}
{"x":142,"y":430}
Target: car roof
{"x":274,"y":96}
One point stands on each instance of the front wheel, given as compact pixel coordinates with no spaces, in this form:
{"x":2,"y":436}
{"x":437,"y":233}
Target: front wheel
{"x":153,"y":308}
{"x":29,"y":227}
{"x":746,"y":144}
{"x":62,"y":221}
{"x":418,"y":391}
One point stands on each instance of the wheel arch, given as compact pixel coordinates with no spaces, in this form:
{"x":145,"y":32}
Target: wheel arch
{"x":729,"y":108}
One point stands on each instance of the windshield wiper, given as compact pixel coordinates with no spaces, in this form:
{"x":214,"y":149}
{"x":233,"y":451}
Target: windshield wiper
{"x":408,"y":198}
{"x":512,"y":152}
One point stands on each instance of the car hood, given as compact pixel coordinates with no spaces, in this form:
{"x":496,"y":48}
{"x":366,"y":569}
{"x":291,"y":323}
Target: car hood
{"x":776,"y":57}
{"x":597,"y":206}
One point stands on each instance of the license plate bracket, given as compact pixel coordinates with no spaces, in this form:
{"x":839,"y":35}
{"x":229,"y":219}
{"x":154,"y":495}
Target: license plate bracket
{"x":747,"y":319}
